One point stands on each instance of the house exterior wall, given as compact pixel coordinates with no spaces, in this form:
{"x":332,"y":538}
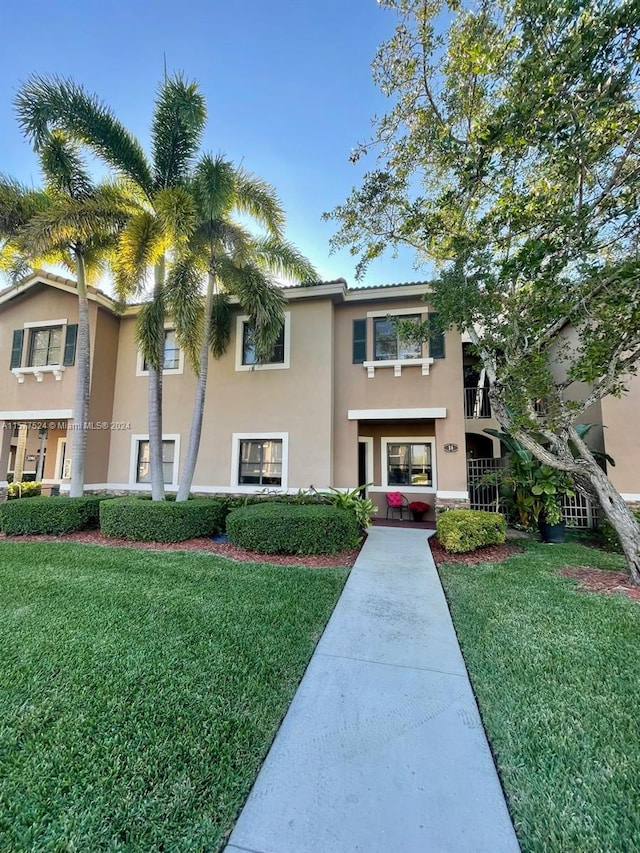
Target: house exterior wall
{"x":321,"y":405}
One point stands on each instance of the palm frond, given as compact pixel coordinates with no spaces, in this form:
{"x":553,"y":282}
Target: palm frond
{"x":68,"y":221}
{"x":259,"y":199}
{"x":140,"y":245}
{"x":63,"y":166}
{"x":183,"y":293}
{"x":220,"y":330}
{"x":18,"y":204}
{"x":150,"y":330}
{"x":214,"y":187}
{"x":281,"y":258}
{"x":13,"y":263}
{"x":178,"y":123}
{"x":263,"y":301}
{"x":176,"y":212}
{"x":47,"y":103}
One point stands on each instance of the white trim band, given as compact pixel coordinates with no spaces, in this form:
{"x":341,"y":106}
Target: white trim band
{"x":452,"y":496}
{"x":630,"y":496}
{"x":395,"y":414}
{"x":43,"y":414}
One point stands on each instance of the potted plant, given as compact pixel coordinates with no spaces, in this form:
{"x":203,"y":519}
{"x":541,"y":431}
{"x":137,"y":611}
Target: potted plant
{"x":418,"y":509}
{"x":551,"y":486}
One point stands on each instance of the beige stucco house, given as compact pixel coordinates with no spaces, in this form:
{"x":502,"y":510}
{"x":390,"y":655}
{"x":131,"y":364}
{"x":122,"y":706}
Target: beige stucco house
{"x":343,"y":401}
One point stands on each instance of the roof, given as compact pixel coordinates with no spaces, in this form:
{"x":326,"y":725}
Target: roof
{"x":337,"y":289}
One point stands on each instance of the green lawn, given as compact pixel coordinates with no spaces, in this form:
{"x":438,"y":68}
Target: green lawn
{"x":139,"y":691}
{"x":557,"y":677}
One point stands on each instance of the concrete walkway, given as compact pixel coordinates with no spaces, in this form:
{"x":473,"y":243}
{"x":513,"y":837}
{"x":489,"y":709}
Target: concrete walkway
{"x":382,"y":749}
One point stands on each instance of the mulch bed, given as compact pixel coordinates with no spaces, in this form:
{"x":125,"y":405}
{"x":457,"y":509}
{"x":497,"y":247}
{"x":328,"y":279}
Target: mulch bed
{"x":488,"y":554}
{"x":597,"y":580}
{"x":222,"y":549}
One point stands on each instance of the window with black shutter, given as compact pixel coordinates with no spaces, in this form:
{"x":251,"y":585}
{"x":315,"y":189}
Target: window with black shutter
{"x":359,"y":341}
{"x":16,"y":348}
{"x":69,"y":358}
{"x":436,"y":338}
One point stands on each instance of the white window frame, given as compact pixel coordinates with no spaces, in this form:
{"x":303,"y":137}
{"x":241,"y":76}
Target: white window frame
{"x":283,"y":365}
{"x":411,"y":439}
{"x":236,"y":438}
{"x":140,"y":371}
{"x":133,"y":460}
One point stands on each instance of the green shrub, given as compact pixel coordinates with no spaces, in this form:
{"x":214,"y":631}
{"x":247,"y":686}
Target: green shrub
{"x":287,"y":528}
{"x":23,"y":490}
{"x":161,"y":521}
{"x":54,"y":515}
{"x":608,"y":535}
{"x":461,"y":530}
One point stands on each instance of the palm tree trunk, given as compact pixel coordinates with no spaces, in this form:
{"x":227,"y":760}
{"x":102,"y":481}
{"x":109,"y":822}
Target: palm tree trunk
{"x":193,"y":447}
{"x":83,"y":369}
{"x":155,"y":406}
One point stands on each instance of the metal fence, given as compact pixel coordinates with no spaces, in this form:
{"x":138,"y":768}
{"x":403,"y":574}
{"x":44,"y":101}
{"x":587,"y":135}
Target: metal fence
{"x":482,"y":496}
{"x":578,"y":511}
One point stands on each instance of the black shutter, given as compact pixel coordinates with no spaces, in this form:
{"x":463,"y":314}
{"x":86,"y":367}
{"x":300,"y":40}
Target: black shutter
{"x":70,"y":345}
{"x":16,"y":348}
{"x":436,"y":338}
{"x":359,"y":341}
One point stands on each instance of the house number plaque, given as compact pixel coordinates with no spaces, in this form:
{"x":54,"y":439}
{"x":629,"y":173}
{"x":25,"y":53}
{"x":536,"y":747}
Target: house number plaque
{"x":450,"y":448}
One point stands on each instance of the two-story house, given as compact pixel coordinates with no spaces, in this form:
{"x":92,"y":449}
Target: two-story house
{"x":342,"y":402}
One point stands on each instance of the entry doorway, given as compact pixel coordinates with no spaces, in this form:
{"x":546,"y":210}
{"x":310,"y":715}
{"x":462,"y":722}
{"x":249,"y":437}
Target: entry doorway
{"x":365,"y":463}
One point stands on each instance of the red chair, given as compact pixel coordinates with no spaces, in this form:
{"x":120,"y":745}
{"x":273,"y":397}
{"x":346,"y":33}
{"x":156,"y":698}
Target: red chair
{"x":397,"y":502}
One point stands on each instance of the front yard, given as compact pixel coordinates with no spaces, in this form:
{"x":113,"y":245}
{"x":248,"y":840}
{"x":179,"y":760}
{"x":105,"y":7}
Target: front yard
{"x":556,"y":674}
{"x":139,"y":691}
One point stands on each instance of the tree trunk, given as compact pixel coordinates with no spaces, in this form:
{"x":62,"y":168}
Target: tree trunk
{"x":155,"y":405}
{"x":83,"y":370}
{"x":186,"y":480}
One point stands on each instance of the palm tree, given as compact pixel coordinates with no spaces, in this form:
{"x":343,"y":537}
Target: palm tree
{"x":74,"y":222}
{"x":166,"y":216}
{"x":235,"y":264}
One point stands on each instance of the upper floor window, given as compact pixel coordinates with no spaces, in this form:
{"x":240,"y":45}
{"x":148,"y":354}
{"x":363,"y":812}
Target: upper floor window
{"x":249,"y":349}
{"x":173,"y":357}
{"x":388,"y":343}
{"x":45,"y":347}
{"x":246,"y":357}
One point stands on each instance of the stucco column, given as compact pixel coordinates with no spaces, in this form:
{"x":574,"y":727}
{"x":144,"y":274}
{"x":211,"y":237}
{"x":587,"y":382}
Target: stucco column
{"x":18,"y":470}
{"x":6,"y":432}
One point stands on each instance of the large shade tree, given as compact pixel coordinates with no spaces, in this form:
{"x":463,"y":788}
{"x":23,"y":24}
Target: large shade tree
{"x":74,"y":222}
{"x":510,"y":159}
{"x":233,"y":262}
{"x":166,"y":214}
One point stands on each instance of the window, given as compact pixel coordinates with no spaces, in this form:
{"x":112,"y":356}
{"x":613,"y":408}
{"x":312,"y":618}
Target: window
{"x":260,"y":462}
{"x":388,"y":344}
{"x":45,"y":347}
{"x":249,"y":351}
{"x":143,"y":467}
{"x":172,"y":353}
{"x":409,"y":463}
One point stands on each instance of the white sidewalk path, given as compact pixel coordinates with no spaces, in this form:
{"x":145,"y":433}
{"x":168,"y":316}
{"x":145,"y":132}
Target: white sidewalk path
{"x":382,"y":749}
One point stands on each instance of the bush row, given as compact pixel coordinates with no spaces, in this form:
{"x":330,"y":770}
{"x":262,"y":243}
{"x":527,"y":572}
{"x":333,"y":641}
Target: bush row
{"x":49,"y":515}
{"x":281,"y":528}
{"x":267,"y":526}
{"x":462,"y":530}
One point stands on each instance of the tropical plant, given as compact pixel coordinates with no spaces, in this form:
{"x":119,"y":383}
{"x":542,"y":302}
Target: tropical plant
{"x":166,"y":214}
{"x":74,"y":222}
{"x":362,"y":508}
{"x":236,"y":264}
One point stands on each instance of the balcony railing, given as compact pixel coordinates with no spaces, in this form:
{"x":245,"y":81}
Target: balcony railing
{"x":476,"y":403}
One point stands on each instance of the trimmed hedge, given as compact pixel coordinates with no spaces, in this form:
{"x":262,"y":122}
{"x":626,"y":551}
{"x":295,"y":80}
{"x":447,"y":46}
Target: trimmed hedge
{"x":53,"y":515}
{"x":161,"y":521}
{"x":26,"y":489}
{"x":286,"y":528}
{"x":462,"y":530}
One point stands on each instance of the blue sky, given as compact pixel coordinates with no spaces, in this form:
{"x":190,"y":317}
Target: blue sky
{"x":288,"y":87}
